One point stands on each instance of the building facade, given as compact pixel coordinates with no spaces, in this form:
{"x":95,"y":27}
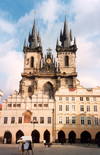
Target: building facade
{"x":51,"y":105}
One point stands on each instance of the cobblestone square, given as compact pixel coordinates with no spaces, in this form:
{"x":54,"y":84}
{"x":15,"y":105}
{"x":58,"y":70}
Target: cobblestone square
{"x":55,"y":149}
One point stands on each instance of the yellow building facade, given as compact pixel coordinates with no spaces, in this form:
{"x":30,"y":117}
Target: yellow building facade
{"x":77,"y":114}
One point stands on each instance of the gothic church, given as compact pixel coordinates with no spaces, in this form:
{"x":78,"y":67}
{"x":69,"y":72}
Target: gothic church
{"x":51,"y":104}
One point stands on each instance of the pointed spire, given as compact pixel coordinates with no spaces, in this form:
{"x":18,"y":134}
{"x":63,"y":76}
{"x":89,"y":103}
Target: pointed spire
{"x":66,"y":37}
{"x":40,"y":44}
{"x":57,"y":44}
{"x":74,"y":41}
{"x":71,"y":38}
{"x":61,"y":35}
{"x":25,"y":42}
{"x":34,"y":43}
{"x":38,"y":37}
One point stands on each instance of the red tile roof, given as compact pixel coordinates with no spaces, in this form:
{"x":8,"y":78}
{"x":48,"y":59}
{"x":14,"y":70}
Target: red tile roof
{"x":0,"y":106}
{"x":71,"y":89}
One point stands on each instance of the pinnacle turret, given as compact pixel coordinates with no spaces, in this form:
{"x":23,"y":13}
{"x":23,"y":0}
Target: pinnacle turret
{"x":57,"y":44}
{"x":25,"y":42}
{"x":74,"y":41}
{"x":38,"y":37}
{"x":71,"y":38}
{"x":61,"y":36}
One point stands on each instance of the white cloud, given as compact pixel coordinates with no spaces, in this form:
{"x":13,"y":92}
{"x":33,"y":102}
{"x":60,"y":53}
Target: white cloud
{"x":7,"y":26}
{"x":86,"y":15}
{"x":89,"y":81}
{"x":11,"y":66}
{"x":6,"y":47}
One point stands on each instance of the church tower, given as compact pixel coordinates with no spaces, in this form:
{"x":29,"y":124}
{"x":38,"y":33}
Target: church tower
{"x":45,"y":73}
{"x":32,"y":63}
{"x":66,"y":54}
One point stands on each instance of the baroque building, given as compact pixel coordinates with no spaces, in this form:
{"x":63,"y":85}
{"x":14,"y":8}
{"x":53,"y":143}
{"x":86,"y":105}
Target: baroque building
{"x":51,"y":105}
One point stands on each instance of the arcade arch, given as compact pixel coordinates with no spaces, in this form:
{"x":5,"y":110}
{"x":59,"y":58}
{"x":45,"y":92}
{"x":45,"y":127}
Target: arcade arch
{"x":35,"y":136}
{"x":8,"y":137}
{"x":61,"y":136}
{"x":47,"y":136}
{"x":72,"y":137}
{"x":19,"y":134}
{"x":97,"y":137}
{"x":85,"y":137}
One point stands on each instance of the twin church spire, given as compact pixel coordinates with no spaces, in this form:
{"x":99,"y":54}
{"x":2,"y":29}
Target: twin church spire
{"x":33,"y":39}
{"x":65,"y":37}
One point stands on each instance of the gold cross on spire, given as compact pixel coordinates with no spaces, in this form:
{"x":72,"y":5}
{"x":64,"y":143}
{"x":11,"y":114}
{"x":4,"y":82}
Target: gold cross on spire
{"x":49,"y":49}
{"x":65,"y":13}
{"x":34,"y":14}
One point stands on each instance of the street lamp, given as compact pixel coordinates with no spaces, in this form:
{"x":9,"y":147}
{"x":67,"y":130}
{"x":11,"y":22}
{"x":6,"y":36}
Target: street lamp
{"x":33,"y":122}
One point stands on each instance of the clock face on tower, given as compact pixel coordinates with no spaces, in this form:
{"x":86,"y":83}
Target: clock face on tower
{"x":48,"y":60}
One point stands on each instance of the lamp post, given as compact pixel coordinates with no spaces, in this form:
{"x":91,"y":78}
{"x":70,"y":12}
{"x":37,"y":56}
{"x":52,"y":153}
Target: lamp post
{"x":33,"y":122}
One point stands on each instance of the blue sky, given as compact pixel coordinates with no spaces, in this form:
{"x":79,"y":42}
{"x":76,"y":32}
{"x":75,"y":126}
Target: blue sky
{"x":16,"y":20}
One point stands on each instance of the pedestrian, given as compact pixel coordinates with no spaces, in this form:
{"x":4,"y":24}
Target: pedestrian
{"x":88,"y":141}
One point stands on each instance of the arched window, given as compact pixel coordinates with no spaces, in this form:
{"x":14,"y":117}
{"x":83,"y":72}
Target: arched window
{"x":32,"y":61}
{"x":48,"y":89}
{"x":66,"y":61}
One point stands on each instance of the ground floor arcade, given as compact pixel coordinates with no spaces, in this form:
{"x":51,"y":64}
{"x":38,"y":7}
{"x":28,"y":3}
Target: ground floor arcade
{"x":38,"y":137}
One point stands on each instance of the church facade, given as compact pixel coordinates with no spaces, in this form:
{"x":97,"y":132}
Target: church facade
{"x":51,"y":105}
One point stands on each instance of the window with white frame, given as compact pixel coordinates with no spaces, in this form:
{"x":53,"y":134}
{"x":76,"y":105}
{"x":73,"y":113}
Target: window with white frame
{"x":67,"y":120}
{"x":60,"y":107}
{"x":67,"y":98}
{"x":41,"y":120}
{"x":73,"y":98}
{"x":60,"y":98}
{"x":60,"y":119}
{"x":12,"y":120}
{"x":94,"y":99}
{"x":5,"y":120}
{"x":19,"y":119}
{"x":67,"y":107}
{"x":87,"y":99}
{"x":82,"y":120}
{"x":81,"y":98}
{"x":95,"y":108}
{"x":88,"y":120}
{"x":96,"y":120}
{"x":73,"y":120}
{"x":73,"y":108}
{"x":49,"y":120}
{"x":88,"y":108}
{"x":81,"y":107}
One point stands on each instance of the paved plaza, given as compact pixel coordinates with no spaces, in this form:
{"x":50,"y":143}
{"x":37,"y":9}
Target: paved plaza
{"x":55,"y":149}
